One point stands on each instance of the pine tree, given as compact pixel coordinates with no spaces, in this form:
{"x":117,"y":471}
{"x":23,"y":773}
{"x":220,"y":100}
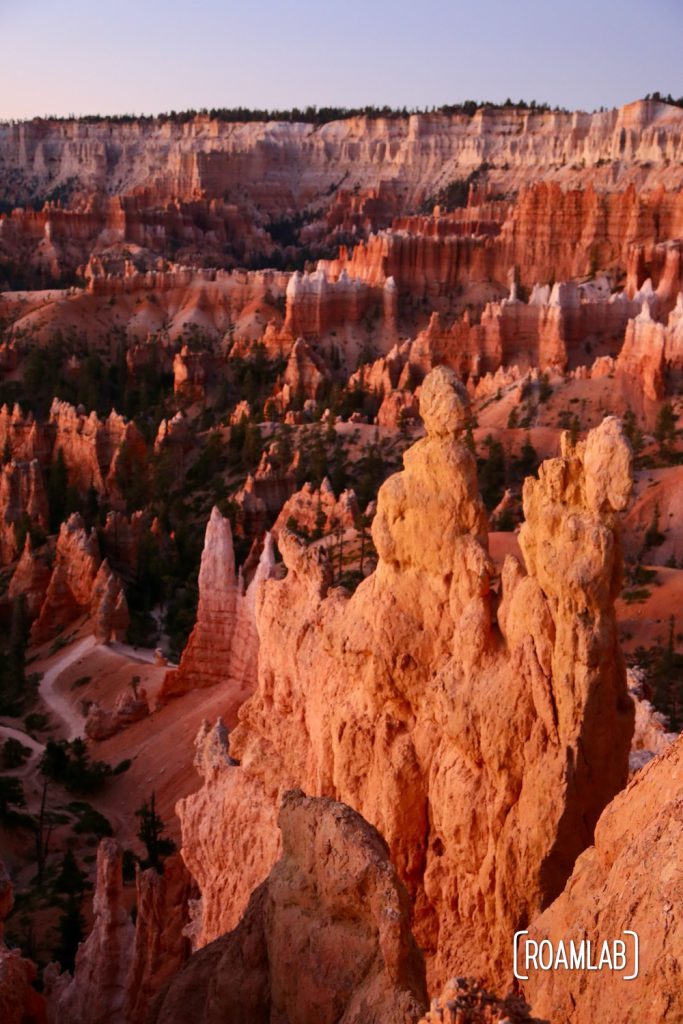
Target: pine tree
{"x":57,"y":490}
{"x":150,"y":834}
{"x":665,"y":428}
{"x":71,"y":932}
{"x":70,"y":879}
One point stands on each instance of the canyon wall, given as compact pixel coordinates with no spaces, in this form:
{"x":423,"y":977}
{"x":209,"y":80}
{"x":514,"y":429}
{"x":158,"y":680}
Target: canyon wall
{"x":547,"y":233}
{"x":284,"y":165}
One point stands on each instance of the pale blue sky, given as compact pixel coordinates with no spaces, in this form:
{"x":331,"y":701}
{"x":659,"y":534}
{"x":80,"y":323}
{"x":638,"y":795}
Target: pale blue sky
{"x":92,"y":56}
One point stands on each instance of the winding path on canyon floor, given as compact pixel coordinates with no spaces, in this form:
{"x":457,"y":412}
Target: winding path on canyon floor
{"x":58,"y":703}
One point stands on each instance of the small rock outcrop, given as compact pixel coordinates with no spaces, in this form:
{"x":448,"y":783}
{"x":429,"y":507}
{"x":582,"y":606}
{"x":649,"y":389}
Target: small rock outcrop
{"x":651,"y":735}
{"x":326,"y":937}
{"x":463,"y":1001}
{"x":129,"y":708}
{"x":20,"y":1003}
{"x":316,"y":510}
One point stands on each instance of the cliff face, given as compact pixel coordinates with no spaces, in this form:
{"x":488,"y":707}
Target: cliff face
{"x":283,"y":164}
{"x":630,"y":878}
{"x":490,"y":714}
{"x":326,"y":937}
{"x":221,"y":191}
{"x":547,"y":233}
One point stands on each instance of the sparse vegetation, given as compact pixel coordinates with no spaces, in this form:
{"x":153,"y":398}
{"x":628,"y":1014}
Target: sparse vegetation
{"x":69,"y":764}
{"x":151,"y":835}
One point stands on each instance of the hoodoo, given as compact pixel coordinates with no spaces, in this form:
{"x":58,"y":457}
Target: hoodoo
{"x":454,"y":687}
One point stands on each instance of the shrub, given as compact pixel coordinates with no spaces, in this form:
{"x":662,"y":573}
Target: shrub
{"x":14,"y":753}
{"x":92,"y":822}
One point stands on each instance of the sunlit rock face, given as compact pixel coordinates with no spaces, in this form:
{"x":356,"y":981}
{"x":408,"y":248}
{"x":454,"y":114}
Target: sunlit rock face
{"x":452,"y":707}
{"x":325,"y":937}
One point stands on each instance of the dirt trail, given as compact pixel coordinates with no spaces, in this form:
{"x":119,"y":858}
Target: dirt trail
{"x":7,"y":732}
{"x":58,"y":703}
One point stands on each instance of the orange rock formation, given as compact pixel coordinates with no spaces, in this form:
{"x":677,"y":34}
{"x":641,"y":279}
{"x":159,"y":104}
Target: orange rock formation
{"x":631,"y":878}
{"x":223,"y":646}
{"x":317,"y":509}
{"x":81,"y":584}
{"x":454,"y":690}
{"x":326,"y":937}
{"x":463,"y":1001}
{"x":22,"y":502}
{"x":98,"y":989}
{"x":19,"y":1001}
{"x":92,"y":448}
{"x":31,"y":579}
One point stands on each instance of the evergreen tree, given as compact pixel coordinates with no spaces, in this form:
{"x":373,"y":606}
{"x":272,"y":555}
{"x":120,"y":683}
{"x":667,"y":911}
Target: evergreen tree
{"x":11,"y":795}
{"x":13,"y":659}
{"x":70,"y":879}
{"x":492,"y":473}
{"x":632,"y":431}
{"x":57,"y":491}
{"x":71,"y":929}
{"x":151,"y":835}
{"x":665,"y":428}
